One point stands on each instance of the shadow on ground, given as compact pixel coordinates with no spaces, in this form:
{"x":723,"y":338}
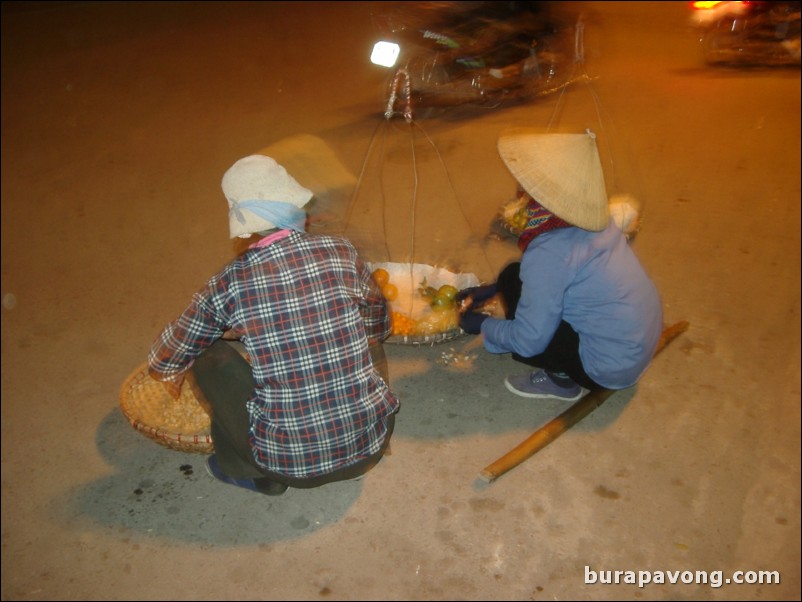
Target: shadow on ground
{"x":164,"y":493}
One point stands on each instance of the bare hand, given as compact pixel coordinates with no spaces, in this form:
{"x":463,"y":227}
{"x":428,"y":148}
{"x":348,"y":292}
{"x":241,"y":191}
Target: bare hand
{"x":173,"y":389}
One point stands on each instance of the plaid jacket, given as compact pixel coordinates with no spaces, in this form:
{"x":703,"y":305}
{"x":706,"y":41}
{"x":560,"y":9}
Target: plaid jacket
{"x":305,"y":307}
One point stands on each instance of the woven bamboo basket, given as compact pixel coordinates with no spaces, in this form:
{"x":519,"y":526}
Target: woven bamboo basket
{"x":181,"y":424}
{"x":425,"y":339}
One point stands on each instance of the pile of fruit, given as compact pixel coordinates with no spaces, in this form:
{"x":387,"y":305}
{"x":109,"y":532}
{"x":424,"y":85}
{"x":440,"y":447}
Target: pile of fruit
{"x":431,"y":311}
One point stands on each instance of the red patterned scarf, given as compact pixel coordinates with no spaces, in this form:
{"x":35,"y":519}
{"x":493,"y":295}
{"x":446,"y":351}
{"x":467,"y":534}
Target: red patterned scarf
{"x":538,"y":220}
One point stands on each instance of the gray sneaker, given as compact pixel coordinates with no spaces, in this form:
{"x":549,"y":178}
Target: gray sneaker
{"x":538,"y":385}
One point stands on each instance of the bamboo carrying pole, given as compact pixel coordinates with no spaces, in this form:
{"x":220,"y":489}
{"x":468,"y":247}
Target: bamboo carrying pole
{"x":556,"y":427}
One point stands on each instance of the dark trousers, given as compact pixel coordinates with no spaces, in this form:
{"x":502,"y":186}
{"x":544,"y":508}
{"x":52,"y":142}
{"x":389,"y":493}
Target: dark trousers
{"x":562,"y":353}
{"x":222,"y":379}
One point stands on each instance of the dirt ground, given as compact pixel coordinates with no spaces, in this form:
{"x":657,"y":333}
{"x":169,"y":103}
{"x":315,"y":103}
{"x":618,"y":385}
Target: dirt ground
{"x":118,"y":122}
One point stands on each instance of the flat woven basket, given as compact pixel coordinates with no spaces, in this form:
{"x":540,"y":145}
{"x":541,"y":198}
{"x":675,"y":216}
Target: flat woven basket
{"x":425,"y":339}
{"x":180,"y":424}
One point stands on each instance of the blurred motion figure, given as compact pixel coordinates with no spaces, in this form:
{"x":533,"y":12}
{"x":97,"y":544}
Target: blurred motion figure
{"x":749,"y":33}
{"x":446,"y":54}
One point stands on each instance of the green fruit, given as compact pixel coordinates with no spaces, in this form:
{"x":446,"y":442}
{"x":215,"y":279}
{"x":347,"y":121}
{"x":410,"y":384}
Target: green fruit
{"x":441,"y":302}
{"x":447,"y":291}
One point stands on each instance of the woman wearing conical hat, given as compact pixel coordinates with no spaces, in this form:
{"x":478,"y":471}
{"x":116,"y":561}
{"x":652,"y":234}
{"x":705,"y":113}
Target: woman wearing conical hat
{"x":579,"y":306}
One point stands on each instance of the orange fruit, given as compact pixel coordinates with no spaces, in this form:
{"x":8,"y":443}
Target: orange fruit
{"x":381,"y":277}
{"x":402,"y":324}
{"x":390,"y":291}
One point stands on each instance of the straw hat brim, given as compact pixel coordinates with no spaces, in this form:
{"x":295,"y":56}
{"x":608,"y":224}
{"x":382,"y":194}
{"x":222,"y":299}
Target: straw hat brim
{"x":562,"y":172}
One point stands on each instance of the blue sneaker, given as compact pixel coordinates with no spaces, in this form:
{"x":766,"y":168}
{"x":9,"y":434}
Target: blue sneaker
{"x":539,"y":385}
{"x":260,"y":485}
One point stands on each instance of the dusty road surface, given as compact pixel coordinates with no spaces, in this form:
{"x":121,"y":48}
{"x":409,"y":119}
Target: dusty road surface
{"x":118,"y":121}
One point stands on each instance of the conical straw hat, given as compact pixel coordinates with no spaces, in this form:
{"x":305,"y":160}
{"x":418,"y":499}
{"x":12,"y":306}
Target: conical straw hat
{"x":562,"y":172}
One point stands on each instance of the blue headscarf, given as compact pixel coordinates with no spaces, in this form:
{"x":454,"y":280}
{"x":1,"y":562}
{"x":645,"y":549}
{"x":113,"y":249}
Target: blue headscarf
{"x":281,"y":214}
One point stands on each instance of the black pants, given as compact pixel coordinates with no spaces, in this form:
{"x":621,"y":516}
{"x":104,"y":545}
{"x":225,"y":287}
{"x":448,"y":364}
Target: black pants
{"x":222,"y":379}
{"x":562,"y":353}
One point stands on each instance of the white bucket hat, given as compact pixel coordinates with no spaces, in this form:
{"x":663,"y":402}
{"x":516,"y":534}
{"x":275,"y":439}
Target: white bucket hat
{"x":562,"y":172}
{"x":261,"y":196}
